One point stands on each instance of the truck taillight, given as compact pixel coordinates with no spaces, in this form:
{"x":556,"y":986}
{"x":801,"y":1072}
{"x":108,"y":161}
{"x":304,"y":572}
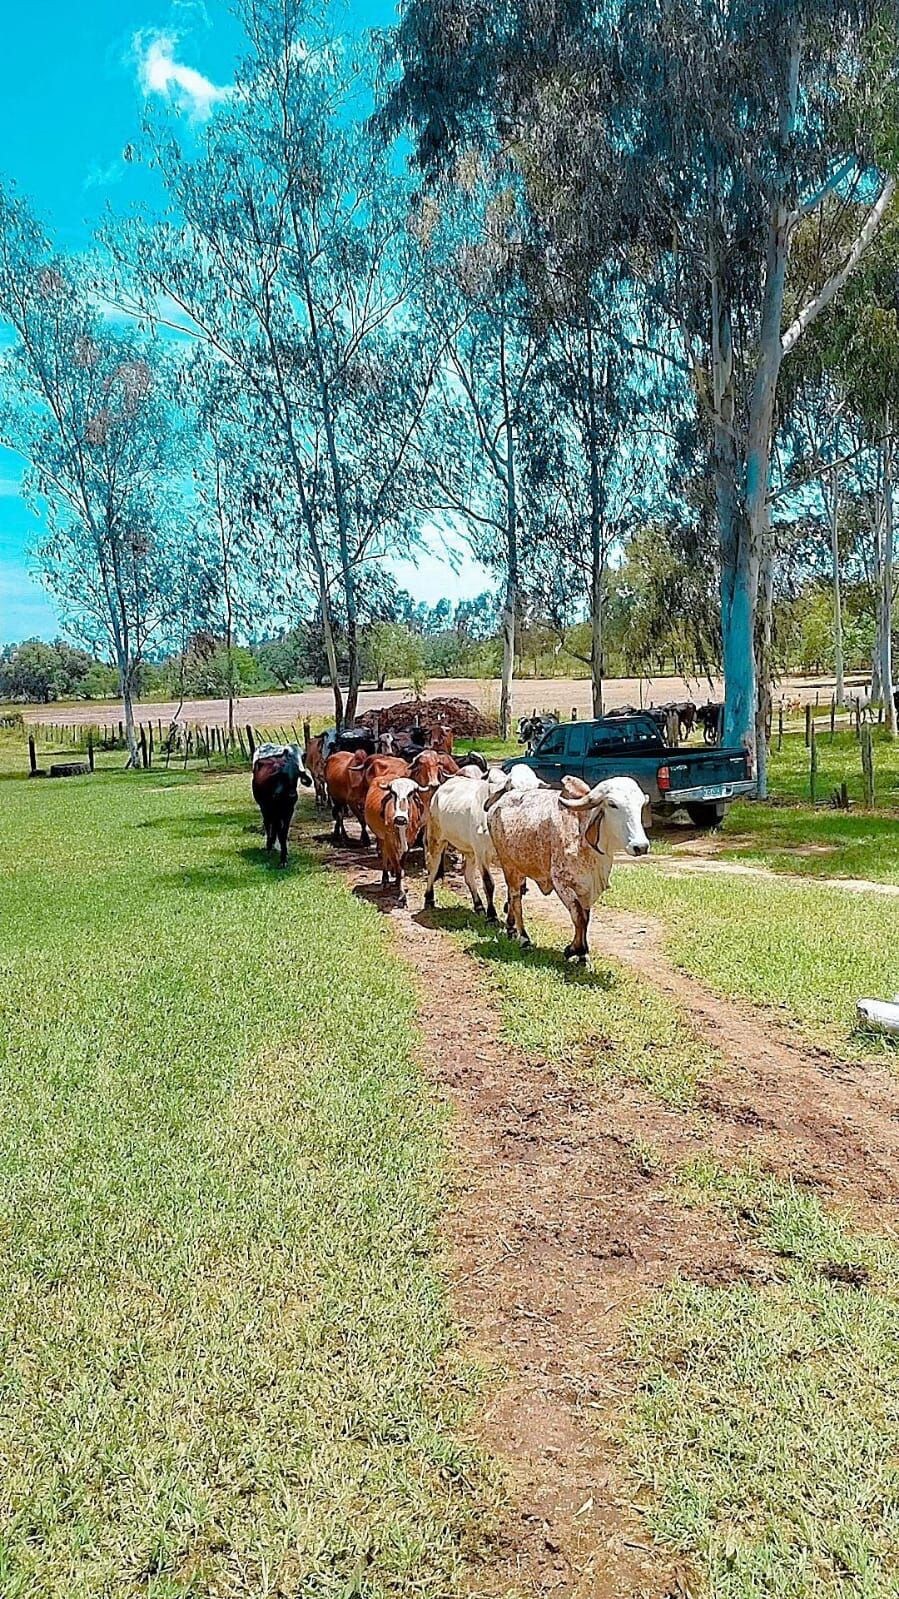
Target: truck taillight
{"x":663,"y":778}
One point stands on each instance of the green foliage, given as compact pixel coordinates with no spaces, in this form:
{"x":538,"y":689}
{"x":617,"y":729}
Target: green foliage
{"x":392,"y":650}
{"x":39,"y":672}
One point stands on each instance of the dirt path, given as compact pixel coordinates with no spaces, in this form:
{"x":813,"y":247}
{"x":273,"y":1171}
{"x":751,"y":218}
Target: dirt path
{"x":557,"y":1234}
{"x":559,"y":1231}
{"x":802,"y":1112}
{"x":275,"y":710}
{"x":684,"y":865}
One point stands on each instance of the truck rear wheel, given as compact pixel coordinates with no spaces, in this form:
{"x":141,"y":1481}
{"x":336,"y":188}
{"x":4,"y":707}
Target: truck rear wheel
{"x":706,"y":813}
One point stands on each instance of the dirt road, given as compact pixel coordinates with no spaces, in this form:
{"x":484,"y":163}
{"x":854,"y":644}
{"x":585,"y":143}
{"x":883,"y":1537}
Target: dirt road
{"x":558,"y":1232}
{"x":281,"y":710}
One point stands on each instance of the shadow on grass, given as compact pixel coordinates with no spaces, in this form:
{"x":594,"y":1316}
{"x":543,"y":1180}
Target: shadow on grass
{"x":492,"y":943}
{"x":202,"y":824}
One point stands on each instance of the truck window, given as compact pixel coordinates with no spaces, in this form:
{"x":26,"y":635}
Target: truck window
{"x":603,"y":736}
{"x":641,"y":730}
{"x":553,"y":743}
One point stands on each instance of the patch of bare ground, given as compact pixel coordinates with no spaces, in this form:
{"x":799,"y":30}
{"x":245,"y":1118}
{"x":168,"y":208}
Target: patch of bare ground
{"x":698,"y":858}
{"x":557,"y":1233}
{"x":559,"y":1230}
{"x":802,"y":1113}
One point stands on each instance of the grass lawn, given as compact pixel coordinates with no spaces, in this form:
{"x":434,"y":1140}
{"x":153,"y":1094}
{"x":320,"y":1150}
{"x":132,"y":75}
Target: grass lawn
{"x":227,"y":1365}
{"x":600,"y":1020}
{"x":817,"y":842}
{"x":765,"y":1433}
{"x":806,"y":950}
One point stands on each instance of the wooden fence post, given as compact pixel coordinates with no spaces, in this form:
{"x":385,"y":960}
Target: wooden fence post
{"x":574,"y":713}
{"x":90,"y":748}
{"x":867,"y":765}
{"x":32,"y":757}
{"x":833,"y":715}
{"x":808,"y":725}
{"x":143,"y":747}
{"x":813,"y":764}
{"x":780,"y":725}
{"x":251,"y":741}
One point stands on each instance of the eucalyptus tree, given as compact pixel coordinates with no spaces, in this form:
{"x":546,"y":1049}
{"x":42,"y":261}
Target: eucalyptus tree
{"x":235,"y":573}
{"x":285,"y":253}
{"x":598,"y":456}
{"x":489,"y":396}
{"x":686,"y":139}
{"x":87,"y":406}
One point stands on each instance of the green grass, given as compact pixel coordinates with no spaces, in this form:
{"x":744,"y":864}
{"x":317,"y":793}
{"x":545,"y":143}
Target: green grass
{"x":226,"y":1361}
{"x":839,"y":760}
{"x":807,"y":951}
{"x":814,"y":842}
{"x":600,"y":1020}
{"x":765,"y":1437}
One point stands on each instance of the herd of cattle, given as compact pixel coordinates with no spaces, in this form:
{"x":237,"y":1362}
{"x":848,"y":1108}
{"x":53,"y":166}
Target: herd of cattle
{"x":675,"y":721}
{"x":412,"y":788}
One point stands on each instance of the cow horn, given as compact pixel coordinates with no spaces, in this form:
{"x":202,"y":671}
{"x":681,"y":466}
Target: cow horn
{"x":583,"y":802}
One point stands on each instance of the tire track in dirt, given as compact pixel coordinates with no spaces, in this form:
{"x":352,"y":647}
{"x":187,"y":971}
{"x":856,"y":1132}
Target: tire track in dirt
{"x":558,"y":1234}
{"x":804,"y":1113}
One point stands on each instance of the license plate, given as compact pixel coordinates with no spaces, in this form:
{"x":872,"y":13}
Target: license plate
{"x":720,"y":791}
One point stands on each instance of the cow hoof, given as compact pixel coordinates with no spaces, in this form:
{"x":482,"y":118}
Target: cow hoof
{"x":401,"y":902}
{"x":525,"y":941}
{"x":477,"y":907}
{"x":491,"y":914}
{"x":429,"y":899}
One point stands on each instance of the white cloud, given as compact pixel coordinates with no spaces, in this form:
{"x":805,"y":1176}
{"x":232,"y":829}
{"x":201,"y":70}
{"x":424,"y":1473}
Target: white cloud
{"x":160,"y":73}
{"x":103,"y":177}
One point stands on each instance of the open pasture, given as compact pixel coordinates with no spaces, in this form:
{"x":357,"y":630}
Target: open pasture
{"x":315,"y":1219}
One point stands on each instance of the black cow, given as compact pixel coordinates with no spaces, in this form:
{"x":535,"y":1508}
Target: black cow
{"x":277,"y":769}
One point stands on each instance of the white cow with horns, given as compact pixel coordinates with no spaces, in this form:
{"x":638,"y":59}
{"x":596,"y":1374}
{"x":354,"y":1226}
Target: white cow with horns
{"x":566,"y":841}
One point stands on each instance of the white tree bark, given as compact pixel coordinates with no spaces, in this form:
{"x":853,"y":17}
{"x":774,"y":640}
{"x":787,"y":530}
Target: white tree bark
{"x":834,"y":513}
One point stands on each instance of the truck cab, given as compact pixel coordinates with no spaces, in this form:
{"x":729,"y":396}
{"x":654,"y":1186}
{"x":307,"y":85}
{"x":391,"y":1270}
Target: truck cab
{"x":701,"y":781}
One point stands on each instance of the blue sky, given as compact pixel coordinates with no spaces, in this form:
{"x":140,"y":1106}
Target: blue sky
{"x":74,"y":80}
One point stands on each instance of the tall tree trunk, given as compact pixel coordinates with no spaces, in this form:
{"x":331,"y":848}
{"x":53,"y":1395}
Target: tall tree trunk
{"x":886,"y":594}
{"x":510,"y":611}
{"x":597,"y":551}
{"x":834,"y":512}
{"x":355,"y":663}
{"x":764,"y":666}
{"x":596,"y":660}
{"x":125,"y":686}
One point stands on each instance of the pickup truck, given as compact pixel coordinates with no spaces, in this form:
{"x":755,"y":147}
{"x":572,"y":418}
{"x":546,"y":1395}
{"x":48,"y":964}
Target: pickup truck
{"x":699,"y":780}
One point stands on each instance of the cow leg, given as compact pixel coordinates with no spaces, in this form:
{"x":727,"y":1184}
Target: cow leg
{"x":472,"y":878}
{"x":580,"y":916}
{"x":283,"y":831}
{"x":363,"y":830}
{"x":517,"y":916}
{"x":434,"y":863}
{"x":488,"y":893}
{"x":339,"y":829}
{"x":400,"y":888}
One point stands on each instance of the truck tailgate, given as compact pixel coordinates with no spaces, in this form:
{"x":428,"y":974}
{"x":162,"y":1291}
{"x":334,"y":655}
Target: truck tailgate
{"x":711,"y":770}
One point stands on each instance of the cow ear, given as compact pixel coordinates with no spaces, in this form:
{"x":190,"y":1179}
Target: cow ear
{"x":574,"y":787}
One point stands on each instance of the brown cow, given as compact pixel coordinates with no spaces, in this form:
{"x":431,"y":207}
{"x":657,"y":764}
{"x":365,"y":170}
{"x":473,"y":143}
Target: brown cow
{"x":314,"y":757}
{"x":395,"y":813}
{"x":341,"y":781}
{"x":348,"y":776}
